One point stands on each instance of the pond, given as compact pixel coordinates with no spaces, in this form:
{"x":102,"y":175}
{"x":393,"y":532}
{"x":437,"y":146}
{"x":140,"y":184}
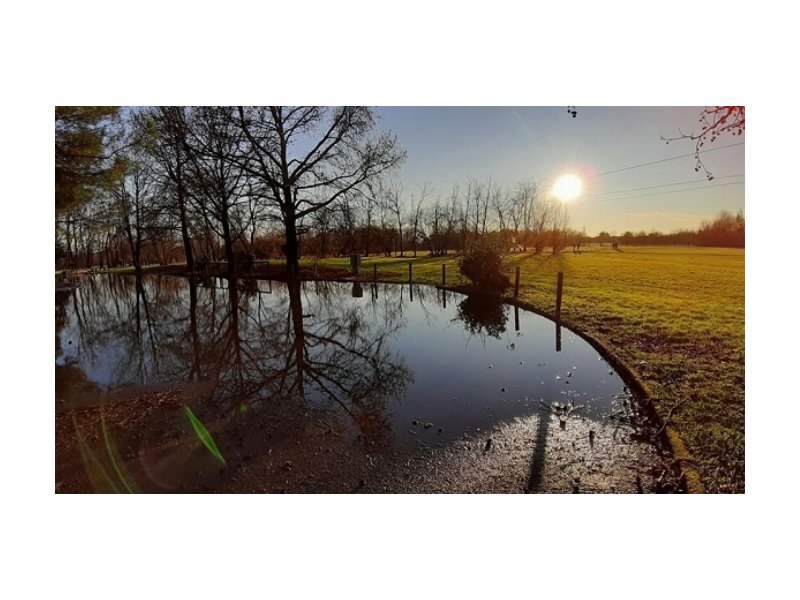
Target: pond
{"x":165,"y":383}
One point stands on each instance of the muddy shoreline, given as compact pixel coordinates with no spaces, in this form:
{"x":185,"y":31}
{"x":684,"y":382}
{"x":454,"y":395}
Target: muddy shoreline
{"x":286,"y":452}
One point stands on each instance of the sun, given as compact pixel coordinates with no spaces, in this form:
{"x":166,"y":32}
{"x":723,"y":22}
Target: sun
{"x":567,"y":187}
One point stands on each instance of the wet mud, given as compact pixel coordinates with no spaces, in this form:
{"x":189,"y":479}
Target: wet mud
{"x":308,"y":452}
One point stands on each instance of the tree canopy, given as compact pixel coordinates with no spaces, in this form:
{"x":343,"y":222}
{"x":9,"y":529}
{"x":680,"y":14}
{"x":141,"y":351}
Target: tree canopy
{"x":84,"y":161}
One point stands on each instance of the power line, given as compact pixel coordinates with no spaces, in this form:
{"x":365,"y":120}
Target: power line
{"x":650,"y":187}
{"x":636,"y":197}
{"x":655,"y":162}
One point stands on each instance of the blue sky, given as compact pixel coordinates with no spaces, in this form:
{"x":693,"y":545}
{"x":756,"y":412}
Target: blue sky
{"x":448,"y":145}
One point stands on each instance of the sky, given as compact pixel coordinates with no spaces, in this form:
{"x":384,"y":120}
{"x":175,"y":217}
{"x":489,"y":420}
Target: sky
{"x":448,"y":145}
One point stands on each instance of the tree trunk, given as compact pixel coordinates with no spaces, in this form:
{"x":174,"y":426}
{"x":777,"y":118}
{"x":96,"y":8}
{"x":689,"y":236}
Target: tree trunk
{"x":226,"y":239}
{"x":108,"y":251}
{"x":369,"y":233}
{"x":70,"y":255}
{"x":137,"y":258}
{"x":290,"y":248}
{"x":400,"y":227}
{"x":187,"y":243}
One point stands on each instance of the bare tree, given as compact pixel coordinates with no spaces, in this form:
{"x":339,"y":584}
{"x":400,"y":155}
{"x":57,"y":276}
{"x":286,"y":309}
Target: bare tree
{"x":217,"y":181}
{"x":134,"y":196}
{"x":416,"y":215}
{"x":460,"y":215}
{"x":307,"y":157}
{"x":385,"y":232}
{"x":434,"y":224}
{"x":347,"y":213}
{"x":558,"y":224}
{"x":169,"y":127}
{"x":500,"y":206}
{"x":523,"y":209}
{"x":394,"y":200}
{"x":475,"y":197}
{"x":517,"y":207}
{"x":323,"y":224}
{"x":537,"y":219}
{"x":484,"y":199}
{"x":369,"y":200}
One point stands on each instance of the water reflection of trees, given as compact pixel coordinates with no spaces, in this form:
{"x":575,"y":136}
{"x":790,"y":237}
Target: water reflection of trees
{"x":483,"y":316}
{"x":249,"y":343}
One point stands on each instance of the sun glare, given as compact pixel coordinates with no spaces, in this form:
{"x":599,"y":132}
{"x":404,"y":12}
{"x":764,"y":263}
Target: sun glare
{"x":567,"y":187}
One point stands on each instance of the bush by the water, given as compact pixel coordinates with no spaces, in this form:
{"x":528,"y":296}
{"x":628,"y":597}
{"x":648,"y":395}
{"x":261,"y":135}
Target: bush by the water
{"x":482,"y":263}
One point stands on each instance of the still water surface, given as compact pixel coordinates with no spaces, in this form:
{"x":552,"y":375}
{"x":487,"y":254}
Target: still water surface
{"x":400,"y":366}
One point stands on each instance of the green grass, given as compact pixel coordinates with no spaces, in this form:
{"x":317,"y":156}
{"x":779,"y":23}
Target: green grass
{"x":145,"y":269}
{"x":673,"y":315}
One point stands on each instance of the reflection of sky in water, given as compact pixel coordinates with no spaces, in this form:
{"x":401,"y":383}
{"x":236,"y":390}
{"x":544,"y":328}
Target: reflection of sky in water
{"x":462,"y":377}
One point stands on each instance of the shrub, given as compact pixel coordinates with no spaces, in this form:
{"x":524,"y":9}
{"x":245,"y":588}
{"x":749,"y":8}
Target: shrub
{"x":482,"y":263}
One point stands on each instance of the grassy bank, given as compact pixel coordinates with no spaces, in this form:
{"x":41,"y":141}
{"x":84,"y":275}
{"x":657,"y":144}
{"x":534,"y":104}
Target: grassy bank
{"x":129,"y":270}
{"x":674,"y":315}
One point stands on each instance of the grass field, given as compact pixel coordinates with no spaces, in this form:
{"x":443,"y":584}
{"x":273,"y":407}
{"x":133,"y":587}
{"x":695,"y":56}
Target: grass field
{"x":674,"y":315}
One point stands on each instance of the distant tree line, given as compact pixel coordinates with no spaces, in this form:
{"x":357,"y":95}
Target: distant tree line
{"x":726,"y":230}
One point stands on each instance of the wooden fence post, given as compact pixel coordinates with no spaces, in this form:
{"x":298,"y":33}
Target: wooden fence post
{"x":375,"y":273}
{"x":410,"y":267}
{"x":516,"y":283}
{"x":444,"y":275}
{"x":558,"y":295}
